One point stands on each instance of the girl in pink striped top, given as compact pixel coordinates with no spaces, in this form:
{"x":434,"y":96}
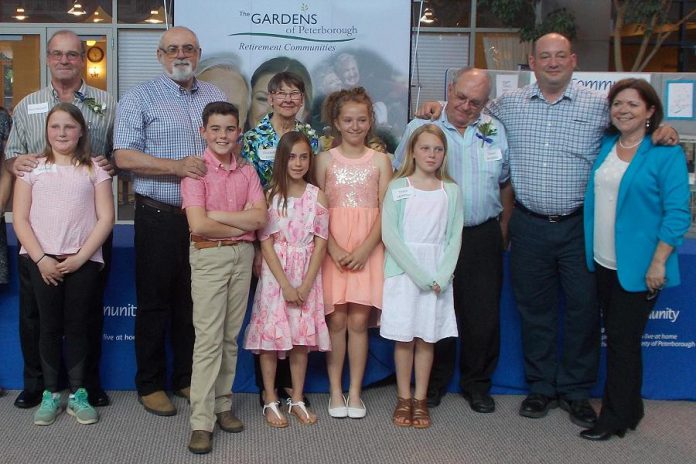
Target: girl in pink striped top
{"x":63,"y":212}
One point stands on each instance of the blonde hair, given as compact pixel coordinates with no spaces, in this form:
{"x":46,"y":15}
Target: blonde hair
{"x":408,"y":167}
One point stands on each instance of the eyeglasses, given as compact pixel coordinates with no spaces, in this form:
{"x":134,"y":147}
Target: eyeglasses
{"x":58,"y":55}
{"x":172,"y":51}
{"x":294,"y":96}
{"x":463,"y":99}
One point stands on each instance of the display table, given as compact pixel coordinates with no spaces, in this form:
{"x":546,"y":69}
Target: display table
{"x":669,"y":342}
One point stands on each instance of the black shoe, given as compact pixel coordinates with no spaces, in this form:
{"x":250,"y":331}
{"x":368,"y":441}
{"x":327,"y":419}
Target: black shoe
{"x":580,"y":411}
{"x":598,"y":434}
{"x":434,"y":397}
{"x":28,"y":399}
{"x":480,"y":402}
{"x":97,"y":397}
{"x":536,"y":405}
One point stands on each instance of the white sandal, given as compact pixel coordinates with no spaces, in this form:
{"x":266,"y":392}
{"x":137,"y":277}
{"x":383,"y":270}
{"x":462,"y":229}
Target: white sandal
{"x":307,"y":420}
{"x":273,"y":406}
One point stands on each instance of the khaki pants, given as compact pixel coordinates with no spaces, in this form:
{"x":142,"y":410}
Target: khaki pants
{"x":220,"y":279}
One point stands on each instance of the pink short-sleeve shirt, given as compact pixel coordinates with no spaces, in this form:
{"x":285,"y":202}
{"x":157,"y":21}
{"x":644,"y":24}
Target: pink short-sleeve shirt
{"x":223,"y":190}
{"x":63,"y":211}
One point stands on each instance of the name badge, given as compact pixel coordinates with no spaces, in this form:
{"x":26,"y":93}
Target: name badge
{"x":267,"y":154}
{"x":402,"y":193}
{"x":37,"y":108}
{"x":43,"y":169}
{"x":492,"y":154}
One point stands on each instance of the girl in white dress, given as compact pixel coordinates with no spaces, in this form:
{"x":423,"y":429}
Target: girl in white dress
{"x":421,"y":229}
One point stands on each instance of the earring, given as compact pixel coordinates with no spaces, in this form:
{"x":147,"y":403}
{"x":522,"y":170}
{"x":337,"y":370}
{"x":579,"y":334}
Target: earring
{"x":647,"y":124}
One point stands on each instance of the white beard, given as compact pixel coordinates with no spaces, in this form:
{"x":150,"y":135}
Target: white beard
{"x":180,"y":73}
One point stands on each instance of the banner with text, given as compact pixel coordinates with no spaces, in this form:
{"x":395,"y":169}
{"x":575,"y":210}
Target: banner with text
{"x":331,"y":45}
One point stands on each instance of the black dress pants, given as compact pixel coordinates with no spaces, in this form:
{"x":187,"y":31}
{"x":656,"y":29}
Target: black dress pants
{"x":163,"y":291}
{"x":29,"y":325}
{"x":63,"y":310}
{"x":625,"y":315}
{"x":477,"y":283}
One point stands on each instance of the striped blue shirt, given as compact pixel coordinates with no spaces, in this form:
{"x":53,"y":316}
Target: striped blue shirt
{"x":552,"y":144}
{"x":478,"y":166}
{"x":163,"y":119}
{"x":28,"y":135}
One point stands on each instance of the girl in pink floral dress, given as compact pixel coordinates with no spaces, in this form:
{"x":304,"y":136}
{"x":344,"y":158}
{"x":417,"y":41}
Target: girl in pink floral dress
{"x":288,"y":312}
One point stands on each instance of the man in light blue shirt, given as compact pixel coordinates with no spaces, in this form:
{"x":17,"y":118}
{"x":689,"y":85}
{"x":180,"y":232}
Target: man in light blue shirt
{"x":478,"y":161}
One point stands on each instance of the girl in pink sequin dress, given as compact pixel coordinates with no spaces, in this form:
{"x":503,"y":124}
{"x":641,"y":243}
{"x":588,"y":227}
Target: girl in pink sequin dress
{"x":288,"y":311}
{"x":354,"y":178}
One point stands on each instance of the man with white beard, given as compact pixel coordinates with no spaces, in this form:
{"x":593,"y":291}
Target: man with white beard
{"x":157,"y":138}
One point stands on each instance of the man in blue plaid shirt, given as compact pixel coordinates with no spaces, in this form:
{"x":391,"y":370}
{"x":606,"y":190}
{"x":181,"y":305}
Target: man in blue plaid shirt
{"x":157,"y":138}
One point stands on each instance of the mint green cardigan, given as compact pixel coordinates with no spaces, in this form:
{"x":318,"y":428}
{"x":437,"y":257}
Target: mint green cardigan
{"x":398,"y":257}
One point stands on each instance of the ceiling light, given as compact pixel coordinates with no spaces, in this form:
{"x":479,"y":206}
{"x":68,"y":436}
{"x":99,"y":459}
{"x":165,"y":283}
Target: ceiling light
{"x":428,"y":16}
{"x":156,"y":16}
{"x":77,"y":10}
{"x":20,"y":14}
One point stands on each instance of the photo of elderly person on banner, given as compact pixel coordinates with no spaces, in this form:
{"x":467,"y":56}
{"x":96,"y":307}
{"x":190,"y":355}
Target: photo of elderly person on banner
{"x":363,"y":67}
{"x":224,"y":71}
{"x":636,"y":214}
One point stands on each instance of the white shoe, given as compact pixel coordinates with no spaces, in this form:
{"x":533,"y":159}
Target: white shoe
{"x":339,"y":412}
{"x":356,"y":413}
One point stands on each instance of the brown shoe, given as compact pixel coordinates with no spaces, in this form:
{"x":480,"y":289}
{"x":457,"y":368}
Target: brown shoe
{"x":229,"y":422}
{"x":421,"y":416}
{"x":402,"y":412}
{"x":157,"y":403}
{"x":201,"y":442}
{"x":184,"y":393}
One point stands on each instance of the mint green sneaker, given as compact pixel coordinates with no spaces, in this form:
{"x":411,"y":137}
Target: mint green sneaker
{"x":79,"y":407}
{"x":49,"y":409}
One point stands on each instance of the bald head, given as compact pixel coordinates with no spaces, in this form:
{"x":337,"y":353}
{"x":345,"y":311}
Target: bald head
{"x":480,"y":76}
{"x":553,"y":36}
{"x":178,"y":31}
{"x":553,"y":62}
{"x":467,"y":94}
{"x":178,"y":53}
{"x":68,"y":36}
{"x":65,"y":54}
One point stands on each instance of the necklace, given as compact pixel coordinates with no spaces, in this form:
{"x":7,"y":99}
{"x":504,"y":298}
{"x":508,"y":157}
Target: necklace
{"x":628,"y":147}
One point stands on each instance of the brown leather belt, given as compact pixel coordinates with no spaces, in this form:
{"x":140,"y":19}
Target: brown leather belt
{"x":158,"y":205}
{"x":201,"y":242}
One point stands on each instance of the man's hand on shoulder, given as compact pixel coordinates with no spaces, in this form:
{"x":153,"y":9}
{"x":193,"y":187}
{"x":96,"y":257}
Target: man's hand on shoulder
{"x":429,"y":110}
{"x":104,"y":163}
{"x":665,"y":135}
{"x":24,"y":163}
{"x":190,"y":166}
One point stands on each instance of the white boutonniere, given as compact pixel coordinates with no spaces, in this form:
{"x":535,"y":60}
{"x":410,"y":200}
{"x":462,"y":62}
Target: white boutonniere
{"x":92,"y":104}
{"x":307,"y":130}
{"x":485,"y":130}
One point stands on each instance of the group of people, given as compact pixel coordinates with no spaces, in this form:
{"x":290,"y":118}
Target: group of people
{"x":591,"y":192}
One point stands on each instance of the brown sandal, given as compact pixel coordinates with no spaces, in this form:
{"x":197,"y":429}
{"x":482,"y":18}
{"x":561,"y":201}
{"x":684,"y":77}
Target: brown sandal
{"x":421,"y":415}
{"x":402,"y":412}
